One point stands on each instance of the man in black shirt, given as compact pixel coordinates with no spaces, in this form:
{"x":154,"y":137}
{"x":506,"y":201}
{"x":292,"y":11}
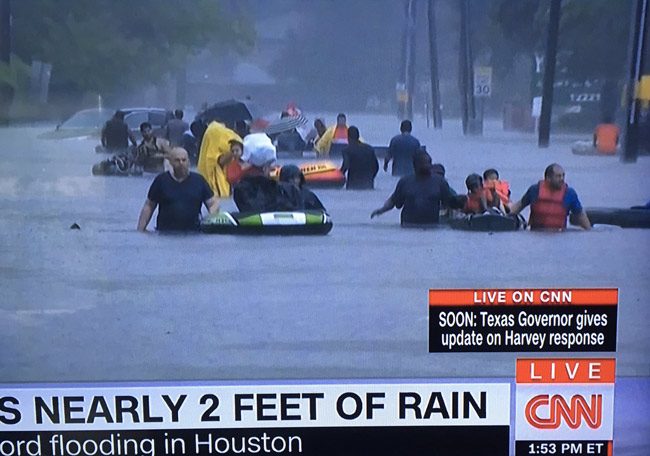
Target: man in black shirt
{"x":178,"y":195}
{"x":116,"y":134}
{"x":418,"y":195}
{"x":402,"y":150}
{"x":359,"y":162}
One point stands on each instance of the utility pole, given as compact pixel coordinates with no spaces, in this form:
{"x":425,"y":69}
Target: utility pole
{"x":549,"y":73}
{"x":6,"y":91}
{"x":639,"y":61}
{"x":409,"y":59}
{"x":433,"y":62}
{"x":406,"y":83}
{"x":466,"y":70}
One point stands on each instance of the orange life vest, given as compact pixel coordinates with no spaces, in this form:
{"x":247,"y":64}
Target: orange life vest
{"x":548,"y":211}
{"x":473,"y":203}
{"x":607,"y":138}
{"x":502,"y":189}
{"x":340,"y":135}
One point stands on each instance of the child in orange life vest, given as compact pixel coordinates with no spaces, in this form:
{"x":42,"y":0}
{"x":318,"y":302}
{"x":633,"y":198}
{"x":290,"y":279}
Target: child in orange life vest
{"x":479,"y":198}
{"x":501,"y":188}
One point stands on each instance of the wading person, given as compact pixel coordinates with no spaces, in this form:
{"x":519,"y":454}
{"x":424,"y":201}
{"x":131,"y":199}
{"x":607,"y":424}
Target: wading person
{"x":418,"y":195}
{"x":178,"y":194}
{"x":402,"y":150}
{"x":551,"y":200}
{"x":116,"y":134}
{"x":359,"y":163}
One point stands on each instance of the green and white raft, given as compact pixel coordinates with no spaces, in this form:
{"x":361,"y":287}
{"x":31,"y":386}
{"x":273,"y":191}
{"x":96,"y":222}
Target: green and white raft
{"x":272,"y":223}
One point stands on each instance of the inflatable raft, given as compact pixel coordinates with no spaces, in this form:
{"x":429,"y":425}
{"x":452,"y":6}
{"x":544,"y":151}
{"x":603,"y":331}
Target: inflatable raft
{"x":268,"y":223}
{"x":488,"y":222}
{"x":318,"y":174}
{"x":116,"y":166}
{"x":636,"y":217}
{"x":587,"y":148}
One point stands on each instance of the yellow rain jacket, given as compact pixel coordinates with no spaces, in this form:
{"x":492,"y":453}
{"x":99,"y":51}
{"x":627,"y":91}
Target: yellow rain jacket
{"x":324,"y":143}
{"x":216,"y":142}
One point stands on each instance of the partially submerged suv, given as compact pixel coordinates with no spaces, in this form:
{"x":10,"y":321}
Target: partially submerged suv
{"x":89,"y":122}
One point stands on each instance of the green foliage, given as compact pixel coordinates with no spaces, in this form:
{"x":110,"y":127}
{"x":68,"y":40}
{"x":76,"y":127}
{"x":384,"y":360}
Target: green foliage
{"x":593,"y":33}
{"x":108,"y":45}
{"x":14,"y":74}
{"x":596,"y":33}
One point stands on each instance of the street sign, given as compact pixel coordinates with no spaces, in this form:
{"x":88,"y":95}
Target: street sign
{"x":483,"y":81}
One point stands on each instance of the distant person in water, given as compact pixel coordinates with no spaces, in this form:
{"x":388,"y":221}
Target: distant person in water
{"x":336,"y":135}
{"x":401,"y":150}
{"x":175,"y":129}
{"x":315,"y":133}
{"x":359,"y":163}
{"x":606,"y":136}
{"x":116,"y":134}
{"x":178,"y":195}
{"x":419,"y":195}
{"x":151,"y":152}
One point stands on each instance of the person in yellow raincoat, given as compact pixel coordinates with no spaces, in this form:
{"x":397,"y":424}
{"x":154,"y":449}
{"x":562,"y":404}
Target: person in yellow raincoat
{"x":336,"y":134}
{"x":214,"y":156}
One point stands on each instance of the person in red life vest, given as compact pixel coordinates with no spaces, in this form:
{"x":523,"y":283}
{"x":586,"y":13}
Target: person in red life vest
{"x":502,"y":188}
{"x":551,"y":201}
{"x":606,"y":137}
{"x":479,"y":198}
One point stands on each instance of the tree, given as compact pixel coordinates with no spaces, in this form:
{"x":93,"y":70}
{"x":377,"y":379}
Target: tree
{"x":106,"y":46}
{"x":593,"y":34}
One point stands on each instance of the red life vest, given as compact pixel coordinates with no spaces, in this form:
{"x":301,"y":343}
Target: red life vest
{"x":473,"y":203}
{"x":502,"y":188}
{"x":548,"y":211}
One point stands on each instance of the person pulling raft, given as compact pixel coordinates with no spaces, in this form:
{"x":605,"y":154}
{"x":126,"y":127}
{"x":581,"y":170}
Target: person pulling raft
{"x":291,"y":174}
{"x":419,"y":195}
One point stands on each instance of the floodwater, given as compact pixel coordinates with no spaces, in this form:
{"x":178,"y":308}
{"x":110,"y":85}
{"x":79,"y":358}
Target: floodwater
{"x":106,"y":303}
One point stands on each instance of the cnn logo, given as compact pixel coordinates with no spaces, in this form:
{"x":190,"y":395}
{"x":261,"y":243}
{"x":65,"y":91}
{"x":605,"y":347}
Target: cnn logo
{"x":548,"y":412}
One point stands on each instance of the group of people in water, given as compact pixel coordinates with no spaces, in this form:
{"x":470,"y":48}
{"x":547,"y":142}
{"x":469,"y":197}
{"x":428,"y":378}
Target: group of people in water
{"x":241,"y":168}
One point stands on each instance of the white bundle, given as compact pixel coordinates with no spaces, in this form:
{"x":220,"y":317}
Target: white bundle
{"x":258,"y":150}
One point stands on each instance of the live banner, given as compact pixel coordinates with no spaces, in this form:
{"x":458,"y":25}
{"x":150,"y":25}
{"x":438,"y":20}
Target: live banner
{"x":523,"y":320}
{"x":565,"y":406}
{"x":417,"y":419}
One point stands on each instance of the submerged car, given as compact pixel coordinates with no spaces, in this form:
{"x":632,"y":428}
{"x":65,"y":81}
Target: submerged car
{"x":89,"y":122}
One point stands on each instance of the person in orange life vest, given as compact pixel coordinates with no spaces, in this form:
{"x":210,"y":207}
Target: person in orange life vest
{"x":336,"y":134}
{"x":606,"y":137}
{"x":479,"y":198}
{"x":551,"y":200}
{"x":502,"y":188}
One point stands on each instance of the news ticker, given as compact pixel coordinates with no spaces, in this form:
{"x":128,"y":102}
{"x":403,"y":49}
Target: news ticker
{"x":562,"y":406}
{"x":523,"y":320}
{"x":308,"y":419}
